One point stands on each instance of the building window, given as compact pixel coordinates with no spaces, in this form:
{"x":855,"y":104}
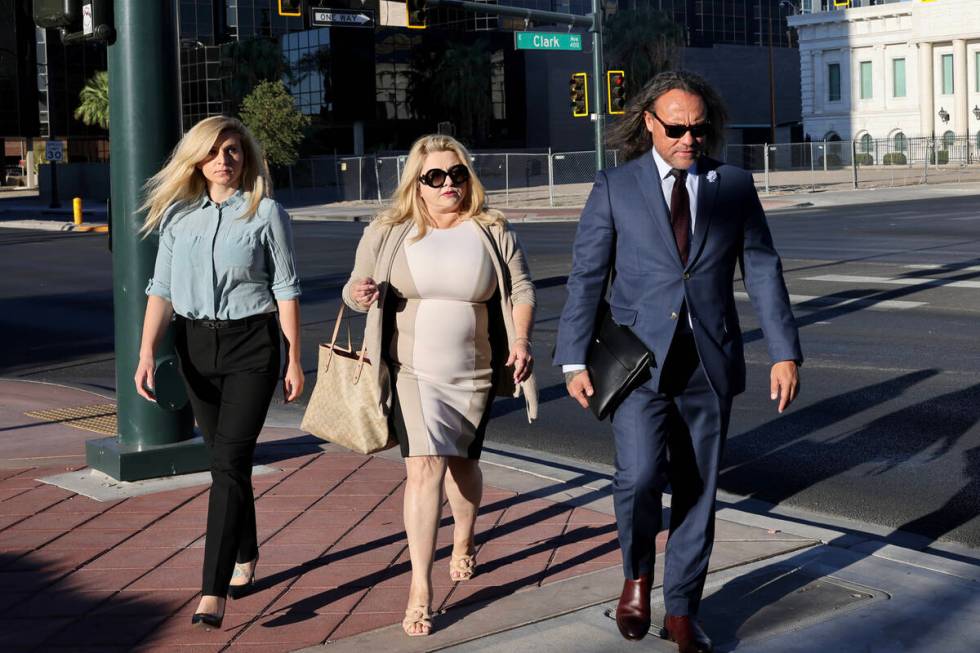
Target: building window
{"x":947,"y":74}
{"x":866,"y":89}
{"x":898,"y":77}
{"x":901,"y":143}
{"x":498,"y":96}
{"x":833,"y":82}
{"x":866,"y":143}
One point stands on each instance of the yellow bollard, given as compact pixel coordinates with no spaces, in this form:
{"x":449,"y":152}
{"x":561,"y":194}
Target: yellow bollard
{"x":76,"y":208}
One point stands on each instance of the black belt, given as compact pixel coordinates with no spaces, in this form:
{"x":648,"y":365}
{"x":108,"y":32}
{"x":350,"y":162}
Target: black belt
{"x":227,"y":324}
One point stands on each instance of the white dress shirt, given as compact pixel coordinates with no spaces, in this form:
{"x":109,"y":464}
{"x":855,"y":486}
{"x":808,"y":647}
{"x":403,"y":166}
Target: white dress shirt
{"x":667,"y":187}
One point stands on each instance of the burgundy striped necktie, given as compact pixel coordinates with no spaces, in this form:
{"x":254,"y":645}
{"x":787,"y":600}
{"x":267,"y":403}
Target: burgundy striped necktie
{"x":680,"y":213}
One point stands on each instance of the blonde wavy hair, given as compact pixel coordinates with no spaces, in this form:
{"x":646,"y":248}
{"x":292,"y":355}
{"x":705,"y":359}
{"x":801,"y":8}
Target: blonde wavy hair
{"x":181,"y":182}
{"x":406,"y":202}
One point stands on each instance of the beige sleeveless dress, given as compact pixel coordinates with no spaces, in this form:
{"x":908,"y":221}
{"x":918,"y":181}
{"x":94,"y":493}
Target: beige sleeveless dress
{"x":439,"y":351}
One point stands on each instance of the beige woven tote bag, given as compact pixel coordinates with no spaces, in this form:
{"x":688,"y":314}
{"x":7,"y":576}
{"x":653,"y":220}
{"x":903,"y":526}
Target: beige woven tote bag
{"x":345,"y":407}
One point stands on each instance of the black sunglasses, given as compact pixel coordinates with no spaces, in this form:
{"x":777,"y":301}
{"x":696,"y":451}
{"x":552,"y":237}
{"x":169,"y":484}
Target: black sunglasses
{"x":459,"y":174}
{"x":698,"y":130}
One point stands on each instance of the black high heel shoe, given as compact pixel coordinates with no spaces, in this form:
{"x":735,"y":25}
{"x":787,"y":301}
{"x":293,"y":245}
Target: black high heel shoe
{"x":207,"y":621}
{"x":236,"y":592}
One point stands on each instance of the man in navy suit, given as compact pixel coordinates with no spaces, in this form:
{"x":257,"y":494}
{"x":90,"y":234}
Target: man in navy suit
{"x":674,"y":224}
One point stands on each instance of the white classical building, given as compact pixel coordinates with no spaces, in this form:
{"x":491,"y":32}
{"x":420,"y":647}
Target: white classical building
{"x":890,"y":70}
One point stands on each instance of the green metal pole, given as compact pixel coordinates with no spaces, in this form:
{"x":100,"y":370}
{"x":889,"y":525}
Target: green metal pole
{"x":598,"y":83}
{"x":152,"y":441}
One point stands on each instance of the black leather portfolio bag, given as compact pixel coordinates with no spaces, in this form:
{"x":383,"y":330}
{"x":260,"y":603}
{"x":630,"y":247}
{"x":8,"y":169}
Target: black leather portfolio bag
{"x":617,"y":361}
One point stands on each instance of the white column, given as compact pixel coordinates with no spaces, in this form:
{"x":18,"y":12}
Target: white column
{"x":961,"y":89}
{"x":819,"y":83}
{"x":927,"y":90}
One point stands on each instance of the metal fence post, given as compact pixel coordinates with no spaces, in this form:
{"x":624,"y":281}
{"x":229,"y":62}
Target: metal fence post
{"x":507,"y":179}
{"x":551,"y":179}
{"x":854,"y":162}
{"x":826,"y":155}
{"x":765,"y":163}
{"x":360,"y":187}
{"x":813,"y":174}
{"x":930,"y":152}
{"x":377,"y":177}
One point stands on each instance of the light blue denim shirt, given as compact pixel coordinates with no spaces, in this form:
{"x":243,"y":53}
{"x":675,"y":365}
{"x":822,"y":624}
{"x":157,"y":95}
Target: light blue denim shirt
{"x":212,"y":264}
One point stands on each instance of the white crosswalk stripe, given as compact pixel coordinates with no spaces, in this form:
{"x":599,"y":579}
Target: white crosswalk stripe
{"x":894,"y":281}
{"x":936,"y":266}
{"x":824,"y":301}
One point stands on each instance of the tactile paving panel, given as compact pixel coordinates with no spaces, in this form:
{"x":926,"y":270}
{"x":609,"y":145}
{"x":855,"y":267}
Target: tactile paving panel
{"x":100,"y":418}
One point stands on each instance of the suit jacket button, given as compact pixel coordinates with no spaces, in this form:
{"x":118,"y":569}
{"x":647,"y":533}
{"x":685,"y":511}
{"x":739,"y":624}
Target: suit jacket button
{"x":687,"y":275}
{"x":673,"y":316}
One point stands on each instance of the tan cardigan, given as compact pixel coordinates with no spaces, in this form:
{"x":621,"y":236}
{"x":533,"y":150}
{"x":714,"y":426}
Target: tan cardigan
{"x":375,"y":255}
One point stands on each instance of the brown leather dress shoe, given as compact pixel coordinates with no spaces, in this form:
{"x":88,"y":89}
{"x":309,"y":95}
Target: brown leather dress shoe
{"x":686,"y":633}
{"x":633,"y":611}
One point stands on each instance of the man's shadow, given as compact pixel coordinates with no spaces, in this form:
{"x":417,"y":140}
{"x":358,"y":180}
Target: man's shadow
{"x":941,"y":423}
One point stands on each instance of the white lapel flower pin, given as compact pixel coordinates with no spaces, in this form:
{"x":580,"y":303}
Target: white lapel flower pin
{"x":712,"y":176}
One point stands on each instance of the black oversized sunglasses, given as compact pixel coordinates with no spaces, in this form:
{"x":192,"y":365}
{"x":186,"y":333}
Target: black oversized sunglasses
{"x":698,"y":130}
{"x":459,"y":174}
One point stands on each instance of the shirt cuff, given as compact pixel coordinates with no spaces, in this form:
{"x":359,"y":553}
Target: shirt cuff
{"x":157,"y":289}
{"x":574,"y":367}
{"x":286,"y":293}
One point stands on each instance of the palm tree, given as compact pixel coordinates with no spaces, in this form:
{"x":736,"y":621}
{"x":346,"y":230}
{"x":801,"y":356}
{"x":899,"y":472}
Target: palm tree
{"x":452,"y":84}
{"x":94,"y":97}
{"x":246,"y":63}
{"x":642,"y":43}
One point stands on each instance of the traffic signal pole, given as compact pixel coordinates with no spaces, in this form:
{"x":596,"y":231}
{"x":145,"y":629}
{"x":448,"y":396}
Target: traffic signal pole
{"x":154,"y":439}
{"x":598,"y":115}
{"x":593,"y":22}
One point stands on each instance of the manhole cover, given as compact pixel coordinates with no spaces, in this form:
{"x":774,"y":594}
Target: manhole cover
{"x":100,"y":418}
{"x":770,"y":601}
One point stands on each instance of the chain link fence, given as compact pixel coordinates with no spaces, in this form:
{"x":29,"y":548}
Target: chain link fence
{"x":562,"y":179}
{"x":865,"y":163}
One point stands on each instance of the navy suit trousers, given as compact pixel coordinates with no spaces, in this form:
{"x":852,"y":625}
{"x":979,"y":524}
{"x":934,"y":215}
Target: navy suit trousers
{"x":672,"y":433}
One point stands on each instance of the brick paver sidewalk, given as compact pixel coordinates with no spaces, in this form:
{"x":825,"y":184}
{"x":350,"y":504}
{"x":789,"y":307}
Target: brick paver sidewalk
{"x":125,"y":575}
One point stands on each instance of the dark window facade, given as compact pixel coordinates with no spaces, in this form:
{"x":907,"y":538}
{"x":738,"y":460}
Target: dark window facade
{"x":732,"y":22}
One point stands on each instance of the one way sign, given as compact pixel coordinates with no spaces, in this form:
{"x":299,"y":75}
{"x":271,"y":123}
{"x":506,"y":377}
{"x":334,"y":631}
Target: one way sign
{"x":343,"y":18}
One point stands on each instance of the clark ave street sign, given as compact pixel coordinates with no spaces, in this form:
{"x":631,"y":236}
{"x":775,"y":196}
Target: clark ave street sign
{"x":547,"y":41}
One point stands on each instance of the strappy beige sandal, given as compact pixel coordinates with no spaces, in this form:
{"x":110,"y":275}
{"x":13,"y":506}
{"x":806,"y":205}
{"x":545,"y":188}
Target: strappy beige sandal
{"x":461,"y":567}
{"x":417,"y":615}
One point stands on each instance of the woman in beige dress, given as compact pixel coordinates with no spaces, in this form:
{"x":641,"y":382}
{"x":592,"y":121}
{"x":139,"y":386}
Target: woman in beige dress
{"x":450,"y":309}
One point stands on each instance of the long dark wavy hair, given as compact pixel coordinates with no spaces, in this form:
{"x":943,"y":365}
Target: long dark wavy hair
{"x":630,"y":135}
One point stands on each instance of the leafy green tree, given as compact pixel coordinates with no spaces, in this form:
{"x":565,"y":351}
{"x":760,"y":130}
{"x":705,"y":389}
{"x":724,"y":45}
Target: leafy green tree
{"x":453,"y":84}
{"x":641,"y":43}
{"x":270,"y":113}
{"x":93,"y":108}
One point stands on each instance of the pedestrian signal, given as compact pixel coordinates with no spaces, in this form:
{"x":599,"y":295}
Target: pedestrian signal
{"x":616,"y":89}
{"x":578,"y":92}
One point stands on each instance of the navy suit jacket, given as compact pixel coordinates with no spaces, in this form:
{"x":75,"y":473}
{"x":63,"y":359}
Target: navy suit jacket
{"x":626,"y":215}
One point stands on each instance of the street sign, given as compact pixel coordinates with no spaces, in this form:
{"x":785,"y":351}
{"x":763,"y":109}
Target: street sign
{"x":54,"y":151}
{"x":343,"y":17}
{"x":547,"y":41}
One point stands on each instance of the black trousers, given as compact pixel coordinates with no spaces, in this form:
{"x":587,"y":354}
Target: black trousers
{"x":230,"y":374}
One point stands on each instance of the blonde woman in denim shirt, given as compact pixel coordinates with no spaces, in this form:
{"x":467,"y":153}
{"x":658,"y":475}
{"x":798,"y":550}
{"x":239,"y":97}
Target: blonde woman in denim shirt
{"x":224,"y":269}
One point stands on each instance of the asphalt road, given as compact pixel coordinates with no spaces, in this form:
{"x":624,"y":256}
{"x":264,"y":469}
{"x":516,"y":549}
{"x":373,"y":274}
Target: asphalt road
{"x":888,"y":300}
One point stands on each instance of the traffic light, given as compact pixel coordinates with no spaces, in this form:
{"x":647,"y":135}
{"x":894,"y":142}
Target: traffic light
{"x":290,"y":7}
{"x":416,"y":14}
{"x":616,"y":89}
{"x":578,"y":92}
